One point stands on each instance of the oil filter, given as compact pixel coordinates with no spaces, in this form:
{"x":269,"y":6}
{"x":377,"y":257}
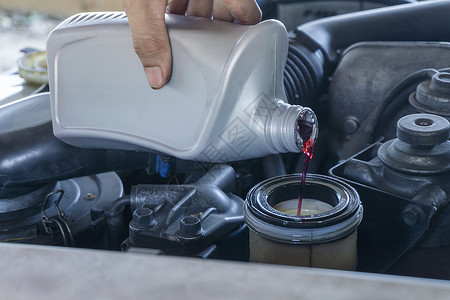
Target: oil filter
{"x":323,"y":236}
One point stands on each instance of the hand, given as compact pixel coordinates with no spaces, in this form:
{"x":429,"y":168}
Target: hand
{"x":148,"y":28}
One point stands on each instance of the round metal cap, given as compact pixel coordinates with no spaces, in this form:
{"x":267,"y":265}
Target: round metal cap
{"x":433,"y":96}
{"x":423,"y":129}
{"x":422,"y":146}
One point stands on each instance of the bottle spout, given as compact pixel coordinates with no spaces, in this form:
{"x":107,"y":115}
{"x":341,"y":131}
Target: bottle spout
{"x":307,"y":127}
{"x":291,"y":126}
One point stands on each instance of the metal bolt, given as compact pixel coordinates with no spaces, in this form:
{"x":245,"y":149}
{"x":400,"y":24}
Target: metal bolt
{"x":351,"y":124}
{"x":411,"y":214}
{"x":190,"y":226}
{"x":143,"y":217}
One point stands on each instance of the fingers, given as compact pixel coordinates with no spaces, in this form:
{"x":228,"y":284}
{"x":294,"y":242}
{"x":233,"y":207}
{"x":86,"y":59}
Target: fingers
{"x":200,"y":8}
{"x":150,"y":39}
{"x":151,"y":42}
{"x":221,"y":12}
{"x":178,"y":7}
{"x":244,"y":11}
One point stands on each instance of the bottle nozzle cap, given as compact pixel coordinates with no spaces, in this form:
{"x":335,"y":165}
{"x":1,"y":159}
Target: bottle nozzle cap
{"x":307,"y":125}
{"x":290,"y":125}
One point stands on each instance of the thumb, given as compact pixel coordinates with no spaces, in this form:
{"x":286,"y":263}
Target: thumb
{"x":151,"y":42}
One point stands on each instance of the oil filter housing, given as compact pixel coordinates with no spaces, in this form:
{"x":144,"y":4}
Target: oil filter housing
{"x":325,"y":239}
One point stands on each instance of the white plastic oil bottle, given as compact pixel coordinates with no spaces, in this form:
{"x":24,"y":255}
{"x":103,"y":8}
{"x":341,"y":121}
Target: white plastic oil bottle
{"x":224,"y":102}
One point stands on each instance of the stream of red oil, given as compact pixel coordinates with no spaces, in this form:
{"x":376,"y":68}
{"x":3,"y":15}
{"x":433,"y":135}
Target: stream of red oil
{"x":305,"y":131}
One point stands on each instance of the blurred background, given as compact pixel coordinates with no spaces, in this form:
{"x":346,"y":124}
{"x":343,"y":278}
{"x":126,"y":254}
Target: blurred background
{"x":26,"y":24}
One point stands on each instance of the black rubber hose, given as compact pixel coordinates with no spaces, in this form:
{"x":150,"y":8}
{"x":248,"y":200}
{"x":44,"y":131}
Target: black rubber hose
{"x":366,"y":132}
{"x":293,"y":91}
{"x":386,"y":2}
{"x":303,"y":74}
{"x":424,"y":21}
{"x":395,"y":99}
{"x":269,"y":7}
{"x":115,"y":222}
{"x":421,"y":21}
{"x":34,"y":156}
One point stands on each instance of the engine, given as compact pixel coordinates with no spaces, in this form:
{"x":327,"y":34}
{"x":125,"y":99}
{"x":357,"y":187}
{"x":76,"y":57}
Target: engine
{"x":379,"y":83}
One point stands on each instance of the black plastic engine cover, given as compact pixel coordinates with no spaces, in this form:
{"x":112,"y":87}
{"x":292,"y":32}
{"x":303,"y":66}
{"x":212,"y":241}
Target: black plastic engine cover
{"x":366,"y":74}
{"x":186,"y":219}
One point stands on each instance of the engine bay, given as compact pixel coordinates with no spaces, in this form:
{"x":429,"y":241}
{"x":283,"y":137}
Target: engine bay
{"x":379,"y":83}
